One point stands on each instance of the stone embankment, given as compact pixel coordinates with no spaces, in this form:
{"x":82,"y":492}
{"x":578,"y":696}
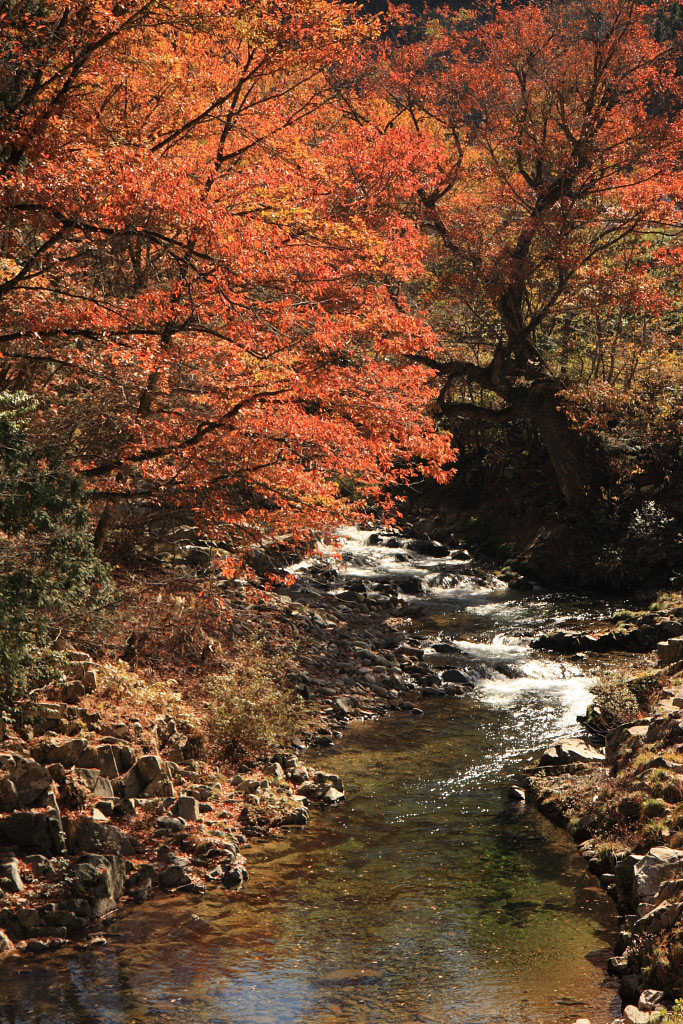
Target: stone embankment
{"x":99,"y":804}
{"x":621,"y":796}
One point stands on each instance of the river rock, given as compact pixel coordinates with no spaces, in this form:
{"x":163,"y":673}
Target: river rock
{"x":101,"y":881}
{"x":670,"y":651}
{"x":295,"y":816}
{"x":632,"y":1015}
{"x":176,"y":874}
{"x":326,"y":780}
{"x":650,"y":999}
{"x":425,"y":546}
{"x":661,"y":917}
{"x":89,"y":836}
{"x":571,"y":751}
{"x":411,"y":585}
{"x":232,"y":875}
{"x":5,"y":942}
{"x":36,"y":830}
{"x":562,"y":642}
{"x":650,"y":871}
{"x":456,"y":675}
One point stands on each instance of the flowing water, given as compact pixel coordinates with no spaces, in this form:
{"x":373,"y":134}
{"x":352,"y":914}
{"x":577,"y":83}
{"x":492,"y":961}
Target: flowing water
{"x":427,"y":897}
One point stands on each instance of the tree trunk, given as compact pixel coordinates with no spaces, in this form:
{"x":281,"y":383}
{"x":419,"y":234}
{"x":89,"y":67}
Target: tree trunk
{"x":575,"y":457}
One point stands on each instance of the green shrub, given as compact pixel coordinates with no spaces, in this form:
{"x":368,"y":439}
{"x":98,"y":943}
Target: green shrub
{"x":676,"y":1015}
{"x":654,"y":807}
{"x":654,"y":833}
{"x":49,"y":571}
{"x":251,"y":712}
{"x":664,"y":784}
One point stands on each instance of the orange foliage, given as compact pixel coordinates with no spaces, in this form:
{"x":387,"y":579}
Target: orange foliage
{"x":190,"y":277}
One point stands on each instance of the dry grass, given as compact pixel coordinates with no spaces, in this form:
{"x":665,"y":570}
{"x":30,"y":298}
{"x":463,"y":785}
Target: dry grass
{"x":251,"y":709}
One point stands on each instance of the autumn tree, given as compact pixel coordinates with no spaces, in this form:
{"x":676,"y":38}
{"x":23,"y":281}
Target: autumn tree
{"x":546,"y":141}
{"x":185,"y":290}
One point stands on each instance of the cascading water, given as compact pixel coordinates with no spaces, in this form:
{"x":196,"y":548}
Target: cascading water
{"x":427,"y":898}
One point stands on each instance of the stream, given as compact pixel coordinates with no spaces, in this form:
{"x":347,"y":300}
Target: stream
{"x":428,"y":897}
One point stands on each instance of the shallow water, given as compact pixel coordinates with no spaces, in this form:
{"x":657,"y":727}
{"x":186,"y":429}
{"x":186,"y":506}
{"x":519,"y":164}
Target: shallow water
{"x":427,"y":897}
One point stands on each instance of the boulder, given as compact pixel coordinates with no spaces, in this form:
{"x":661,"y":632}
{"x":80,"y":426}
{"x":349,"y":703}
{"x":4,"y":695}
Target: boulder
{"x":169,"y":823}
{"x":276,"y":771}
{"x":30,"y":780}
{"x":425,"y":546}
{"x":230,"y":874}
{"x":562,"y":642}
{"x":149,"y":775}
{"x":65,"y":752}
{"x":184,"y":746}
{"x":670,"y":651}
{"x":332,"y":795}
{"x":632,"y":1015}
{"x":650,"y":999}
{"x":661,"y":917}
{"x":187,"y":807}
{"x":9,"y":800}
{"x":52,"y":715}
{"x":111,"y":760}
{"x":649,"y":872}
{"x":10,"y":879}
{"x":100,"y":787}
{"x":327,"y":780}
{"x":625,"y":739}
{"x":175,"y":874}
{"x":140,"y":883}
{"x":149,"y":767}
{"x":100,"y":880}
{"x":6,"y":943}
{"x":131,"y":785}
{"x":341,"y":707}
{"x":161,"y":786}
{"x":295,"y":816}
{"x":412,"y":585}
{"x":456,"y":675}
{"x":89,"y":836}
{"x":571,"y":751}
{"x":668,"y":728}
{"x":37,"y":830}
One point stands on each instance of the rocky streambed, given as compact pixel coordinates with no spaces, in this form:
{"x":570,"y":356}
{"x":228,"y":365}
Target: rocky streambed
{"x":419,"y":891}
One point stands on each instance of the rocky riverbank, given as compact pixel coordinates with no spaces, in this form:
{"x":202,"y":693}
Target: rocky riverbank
{"x":101,"y":801}
{"x":620,"y":793}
